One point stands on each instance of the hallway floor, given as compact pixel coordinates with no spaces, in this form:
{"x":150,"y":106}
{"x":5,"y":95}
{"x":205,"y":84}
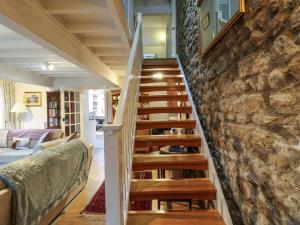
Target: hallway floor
{"x":72,"y":214}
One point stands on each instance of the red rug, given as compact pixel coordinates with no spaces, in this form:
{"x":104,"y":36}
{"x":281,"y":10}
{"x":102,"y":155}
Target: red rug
{"x":97,"y":204}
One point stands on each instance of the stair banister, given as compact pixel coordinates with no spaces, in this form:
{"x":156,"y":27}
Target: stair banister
{"x":119,"y":137}
{"x":220,"y":204}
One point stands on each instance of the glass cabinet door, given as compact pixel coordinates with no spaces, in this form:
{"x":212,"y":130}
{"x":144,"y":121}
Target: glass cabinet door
{"x":71,"y":112}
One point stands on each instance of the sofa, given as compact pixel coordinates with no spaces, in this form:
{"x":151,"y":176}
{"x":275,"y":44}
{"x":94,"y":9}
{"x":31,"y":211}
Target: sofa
{"x":6,"y":193}
{"x":8,"y":154}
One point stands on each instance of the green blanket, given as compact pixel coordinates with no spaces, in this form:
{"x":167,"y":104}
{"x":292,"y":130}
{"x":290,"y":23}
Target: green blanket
{"x":39,"y":182}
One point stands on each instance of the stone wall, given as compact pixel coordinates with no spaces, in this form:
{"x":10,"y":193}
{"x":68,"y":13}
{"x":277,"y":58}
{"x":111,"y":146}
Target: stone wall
{"x":247,"y":92}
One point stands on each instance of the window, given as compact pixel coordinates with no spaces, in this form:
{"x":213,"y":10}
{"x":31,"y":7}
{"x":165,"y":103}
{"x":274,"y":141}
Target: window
{"x":1,"y":108}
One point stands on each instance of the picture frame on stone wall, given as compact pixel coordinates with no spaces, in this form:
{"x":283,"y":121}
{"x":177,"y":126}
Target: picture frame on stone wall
{"x":205,"y":22}
{"x":221,"y":17}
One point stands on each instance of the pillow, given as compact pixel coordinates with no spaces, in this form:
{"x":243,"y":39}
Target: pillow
{"x":56,"y":135}
{"x":71,"y":137}
{"x":42,"y":139}
{"x":3,"y":138}
{"x":20,"y":143}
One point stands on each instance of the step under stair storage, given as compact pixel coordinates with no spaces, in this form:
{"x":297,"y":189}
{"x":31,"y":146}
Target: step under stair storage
{"x":173,"y":142}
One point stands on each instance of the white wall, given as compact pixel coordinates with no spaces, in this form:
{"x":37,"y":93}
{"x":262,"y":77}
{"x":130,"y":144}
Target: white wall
{"x":36,"y":117}
{"x":154,"y":35}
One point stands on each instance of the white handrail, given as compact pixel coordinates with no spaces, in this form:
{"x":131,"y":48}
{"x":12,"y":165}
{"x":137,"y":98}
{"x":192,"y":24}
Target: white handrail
{"x":128,"y":76}
{"x":119,"y":138}
{"x":220,"y":204}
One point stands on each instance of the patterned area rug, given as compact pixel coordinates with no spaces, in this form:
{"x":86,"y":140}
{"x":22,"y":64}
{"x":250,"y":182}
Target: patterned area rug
{"x":97,"y":204}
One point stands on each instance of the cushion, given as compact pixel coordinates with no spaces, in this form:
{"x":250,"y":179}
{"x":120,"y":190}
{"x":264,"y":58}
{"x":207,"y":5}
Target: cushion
{"x":71,"y":137}
{"x":22,"y":143}
{"x":57,"y":134}
{"x":3,"y":138}
{"x":40,"y":141}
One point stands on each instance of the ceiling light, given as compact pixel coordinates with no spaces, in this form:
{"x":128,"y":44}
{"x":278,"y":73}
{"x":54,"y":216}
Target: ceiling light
{"x":162,"y":37}
{"x":50,"y":67}
{"x":44,"y":66}
{"x":47,"y":66}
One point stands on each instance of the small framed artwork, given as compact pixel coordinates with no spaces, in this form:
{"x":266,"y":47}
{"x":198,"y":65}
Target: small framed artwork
{"x":33,"y":99}
{"x":205,"y":22}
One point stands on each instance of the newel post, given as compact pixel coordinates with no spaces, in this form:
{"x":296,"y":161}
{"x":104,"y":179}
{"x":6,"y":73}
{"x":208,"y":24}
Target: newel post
{"x":114,"y":214}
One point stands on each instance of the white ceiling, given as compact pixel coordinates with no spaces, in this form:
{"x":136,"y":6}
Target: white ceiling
{"x":153,"y":7}
{"x":26,"y":55}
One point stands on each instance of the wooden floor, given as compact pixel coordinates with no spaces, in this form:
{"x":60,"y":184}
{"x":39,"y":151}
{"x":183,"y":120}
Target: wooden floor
{"x":72,"y":215}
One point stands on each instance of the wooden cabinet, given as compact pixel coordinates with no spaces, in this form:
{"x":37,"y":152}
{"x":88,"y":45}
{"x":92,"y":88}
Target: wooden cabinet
{"x":64,"y":111}
{"x":53,"y":110}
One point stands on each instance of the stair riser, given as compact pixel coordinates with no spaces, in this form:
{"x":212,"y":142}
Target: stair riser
{"x":157,"y":62}
{"x":171,"y":196}
{"x":145,"y":111}
{"x":186,"y":143}
{"x":198,"y":166}
{"x":163,"y":88}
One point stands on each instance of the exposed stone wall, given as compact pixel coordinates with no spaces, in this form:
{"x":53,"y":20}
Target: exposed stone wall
{"x":247,"y":92}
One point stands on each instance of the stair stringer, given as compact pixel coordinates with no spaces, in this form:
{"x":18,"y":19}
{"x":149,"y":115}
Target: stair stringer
{"x":220,"y":204}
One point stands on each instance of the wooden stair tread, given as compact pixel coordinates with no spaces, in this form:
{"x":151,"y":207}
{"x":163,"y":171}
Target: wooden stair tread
{"x":149,"y":124}
{"x":195,"y":217}
{"x":153,"y":98}
{"x":175,"y":109}
{"x":162,"y":88}
{"x":163,"y":72}
{"x":166,"y":61}
{"x":196,"y":188}
{"x":188,"y":140}
{"x":177,"y":79}
{"x":174,"y":161}
{"x":163,"y":66}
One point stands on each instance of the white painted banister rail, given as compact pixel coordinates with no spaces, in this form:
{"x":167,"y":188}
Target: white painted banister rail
{"x":220,"y":204}
{"x":119,"y":137}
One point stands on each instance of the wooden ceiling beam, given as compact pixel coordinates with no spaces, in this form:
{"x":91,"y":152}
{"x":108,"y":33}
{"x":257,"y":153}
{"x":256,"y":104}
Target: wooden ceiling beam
{"x":57,"y":7}
{"x":113,"y":42}
{"x":114,"y":58}
{"x":94,"y":28}
{"x":110,"y":52}
{"x":29,"y":19}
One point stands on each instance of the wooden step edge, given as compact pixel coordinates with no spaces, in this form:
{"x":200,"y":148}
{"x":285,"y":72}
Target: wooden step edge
{"x":157,"y":110}
{"x":195,"y":188}
{"x":209,"y":212}
{"x":180,"y":161}
{"x":182,"y":217}
{"x":150,"y":124}
{"x":162,"y":88}
{"x":154,"y":98}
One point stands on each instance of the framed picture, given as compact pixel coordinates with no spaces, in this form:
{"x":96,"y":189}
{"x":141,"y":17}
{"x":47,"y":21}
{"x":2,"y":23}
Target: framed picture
{"x":33,"y":99}
{"x":205,"y":22}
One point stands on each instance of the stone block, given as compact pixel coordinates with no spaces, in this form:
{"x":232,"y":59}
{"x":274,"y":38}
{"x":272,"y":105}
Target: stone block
{"x":295,"y":20}
{"x":285,"y":103}
{"x":252,"y":103}
{"x":277,"y":78}
{"x":284,"y":49}
{"x":294,"y":67}
{"x":254,"y":64}
{"x":264,"y":119}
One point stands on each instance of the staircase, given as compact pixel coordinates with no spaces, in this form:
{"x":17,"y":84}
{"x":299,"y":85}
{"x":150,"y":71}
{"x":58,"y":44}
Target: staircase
{"x":155,"y":87}
{"x":169,"y":189}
